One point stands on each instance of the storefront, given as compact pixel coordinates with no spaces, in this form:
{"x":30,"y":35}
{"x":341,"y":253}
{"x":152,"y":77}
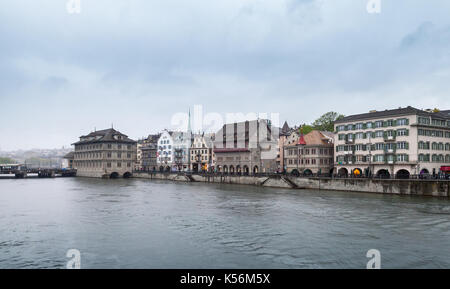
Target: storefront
{"x":445,"y":170}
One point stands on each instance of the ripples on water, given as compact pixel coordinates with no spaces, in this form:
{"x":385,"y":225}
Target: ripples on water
{"x":154,"y":224}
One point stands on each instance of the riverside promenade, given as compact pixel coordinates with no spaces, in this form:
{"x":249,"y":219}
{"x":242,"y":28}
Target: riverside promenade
{"x":420,"y":187}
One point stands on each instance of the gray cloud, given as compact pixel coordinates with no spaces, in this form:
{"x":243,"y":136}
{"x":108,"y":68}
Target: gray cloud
{"x":135,"y":63}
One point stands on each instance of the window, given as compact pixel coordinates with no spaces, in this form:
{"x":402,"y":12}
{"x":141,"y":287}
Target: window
{"x":424,"y":120}
{"x":378,"y":158}
{"x":379,"y":133}
{"x":402,"y":145}
{"x":378,"y":124}
{"x":402,"y":121}
{"x":402,"y":132}
{"x":119,"y":164}
{"x":402,"y":158}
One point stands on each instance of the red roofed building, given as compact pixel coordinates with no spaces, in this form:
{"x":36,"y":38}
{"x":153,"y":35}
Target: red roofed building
{"x":309,"y":154}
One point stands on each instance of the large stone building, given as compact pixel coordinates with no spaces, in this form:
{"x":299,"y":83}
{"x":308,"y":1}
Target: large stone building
{"x":309,"y":154}
{"x":105,"y":154}
{"x":247,"y":148}
{"x":202,"y":153}
{"x":398,"y":142}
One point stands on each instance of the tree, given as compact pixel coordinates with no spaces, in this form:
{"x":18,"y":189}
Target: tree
{"x":306,"y":129}
{"x":7,"y":161}
{"x":326,"y":121}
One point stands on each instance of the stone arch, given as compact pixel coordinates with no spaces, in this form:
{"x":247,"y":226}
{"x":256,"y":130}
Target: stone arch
{"x":424,"y":172}
{"x":295,"y":173}
{"x":402,"y":174}
{"x":127,"y":175}
{"x":307,"y":172}
{"x":255,"y":169}
{"x":357,"y":172}
{"x":246,"y":170}
{"x":383,"y":174}
{"x":238,"y":170}
{"x":225,"y":169}
{"x":343,"y":172}
{"x":232,"y":169}
{"x":114,"y":175}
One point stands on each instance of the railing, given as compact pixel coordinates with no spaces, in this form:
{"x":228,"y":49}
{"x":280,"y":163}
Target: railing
{"x":323,"y":175}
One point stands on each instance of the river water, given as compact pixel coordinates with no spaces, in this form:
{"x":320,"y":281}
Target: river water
{"x":157,"y":224}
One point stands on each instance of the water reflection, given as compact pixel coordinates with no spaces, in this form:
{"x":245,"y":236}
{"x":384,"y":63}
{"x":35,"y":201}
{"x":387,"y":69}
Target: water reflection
{"x":157,"y":224}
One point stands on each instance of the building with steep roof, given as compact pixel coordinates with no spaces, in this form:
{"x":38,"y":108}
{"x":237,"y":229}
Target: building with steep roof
{"x":105,"y":154}
{"x":309,"y":154}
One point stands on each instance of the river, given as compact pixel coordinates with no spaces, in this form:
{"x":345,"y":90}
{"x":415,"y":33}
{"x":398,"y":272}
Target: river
{"x":157,"y":224}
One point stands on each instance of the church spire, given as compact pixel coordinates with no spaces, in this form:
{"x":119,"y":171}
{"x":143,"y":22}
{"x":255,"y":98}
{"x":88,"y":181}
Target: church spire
{"x":189,"y":121}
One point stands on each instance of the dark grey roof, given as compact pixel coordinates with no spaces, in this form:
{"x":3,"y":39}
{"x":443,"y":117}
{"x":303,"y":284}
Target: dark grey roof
{"x":391,"y":112}
{"x":285,"y":129}
{"x":70,"y":156}
{"x":106,"y":135}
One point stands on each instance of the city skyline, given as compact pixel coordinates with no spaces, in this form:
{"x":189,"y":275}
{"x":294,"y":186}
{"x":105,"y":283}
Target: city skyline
{"x":137,"y":63}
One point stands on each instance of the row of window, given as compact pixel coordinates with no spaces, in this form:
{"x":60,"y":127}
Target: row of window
{"x":322,"y":151}
{"x":434,"y":146}
{"x":100,"y":146}
{"x":376,"y":124}
{"x":373,"y":147}
{"x":434,"y":158}
{"x":435,"y":122}
{"x":100,"y":155}
{"x":98,"y":164}
{"x":321,"y":161}
{"x":374,"y":134}
{"x":433,"y":133}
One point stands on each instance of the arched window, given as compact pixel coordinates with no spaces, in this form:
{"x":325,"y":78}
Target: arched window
{"x":434,"y":158}
{"x":434,"y":146}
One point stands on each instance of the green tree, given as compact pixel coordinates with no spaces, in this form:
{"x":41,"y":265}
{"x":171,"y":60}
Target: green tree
{"x":7,"y":161}
{"x":326,"y":121}
{"x":306,"y":129}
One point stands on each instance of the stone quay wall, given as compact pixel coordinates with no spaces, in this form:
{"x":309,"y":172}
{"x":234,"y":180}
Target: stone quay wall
{"x":437,"y":188}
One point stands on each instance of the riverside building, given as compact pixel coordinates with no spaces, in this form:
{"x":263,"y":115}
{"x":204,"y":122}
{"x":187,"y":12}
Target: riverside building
{"x":105,"y":154}
{"x":399,"y":142}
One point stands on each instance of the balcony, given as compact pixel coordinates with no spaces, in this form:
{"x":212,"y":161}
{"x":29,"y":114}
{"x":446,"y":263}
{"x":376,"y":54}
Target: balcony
{"x":350,"y":141}
{"x":389,"y":138}
{"x":389,"y":151}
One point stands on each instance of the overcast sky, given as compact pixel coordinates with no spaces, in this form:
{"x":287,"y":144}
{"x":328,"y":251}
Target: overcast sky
{"x":135,"y":63}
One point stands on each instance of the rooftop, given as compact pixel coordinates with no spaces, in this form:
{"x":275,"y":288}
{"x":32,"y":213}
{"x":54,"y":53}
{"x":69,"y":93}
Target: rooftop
{"x":394,"y":112}
{"x":106,"y":135}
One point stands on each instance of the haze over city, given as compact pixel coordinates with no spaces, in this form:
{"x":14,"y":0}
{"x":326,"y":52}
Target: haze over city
{"x":136,"y":63}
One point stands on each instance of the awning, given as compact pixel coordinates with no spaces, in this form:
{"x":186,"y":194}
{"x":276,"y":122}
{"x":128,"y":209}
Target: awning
{"x":445,"y":169}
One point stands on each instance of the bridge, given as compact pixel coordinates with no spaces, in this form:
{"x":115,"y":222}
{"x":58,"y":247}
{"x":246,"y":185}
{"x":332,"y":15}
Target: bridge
{"x":22,"y":171}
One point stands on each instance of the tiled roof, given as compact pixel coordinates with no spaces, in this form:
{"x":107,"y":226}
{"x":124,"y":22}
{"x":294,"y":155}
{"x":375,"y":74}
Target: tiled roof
{"x":392,"y":112}
{"x":315,"y":137}
{"x":69,"y":156}
{"x":106,"y":135}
